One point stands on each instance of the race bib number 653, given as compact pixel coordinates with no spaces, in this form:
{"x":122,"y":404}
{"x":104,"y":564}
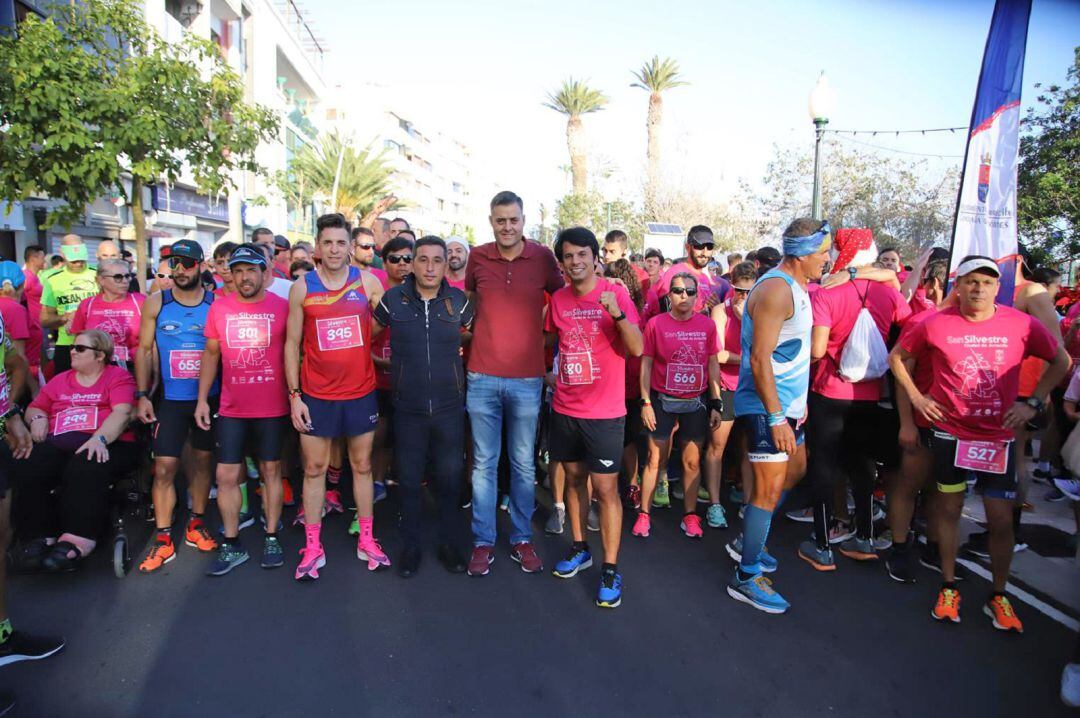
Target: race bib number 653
{"x":184,"y":363}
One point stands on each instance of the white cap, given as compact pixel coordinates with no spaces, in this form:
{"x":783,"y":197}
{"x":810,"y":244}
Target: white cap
{"x":458,"y":240}
{"x":978,"y":263}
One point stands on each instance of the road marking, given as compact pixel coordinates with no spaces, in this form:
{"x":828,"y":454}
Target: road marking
{"x":1039,"y":605}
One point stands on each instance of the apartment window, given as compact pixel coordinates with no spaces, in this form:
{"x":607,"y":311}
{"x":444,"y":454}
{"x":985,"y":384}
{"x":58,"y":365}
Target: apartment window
{"x":441,"y":205}
{"x":457,"y":187}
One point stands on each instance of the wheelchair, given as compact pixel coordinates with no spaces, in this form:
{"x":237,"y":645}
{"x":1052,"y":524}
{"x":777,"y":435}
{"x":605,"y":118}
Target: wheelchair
{"x":129,"y":510}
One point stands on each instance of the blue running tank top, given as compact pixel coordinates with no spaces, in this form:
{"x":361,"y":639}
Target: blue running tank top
{"x":790,"y":358}
{"x":180,"y":343}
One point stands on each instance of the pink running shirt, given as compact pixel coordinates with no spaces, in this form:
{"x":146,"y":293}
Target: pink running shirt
{"x":120,"y":320}
{"x":680,"y":352}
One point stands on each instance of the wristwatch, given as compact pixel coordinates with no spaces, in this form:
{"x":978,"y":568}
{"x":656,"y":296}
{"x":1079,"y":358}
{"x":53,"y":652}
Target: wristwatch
{"x":141,"y":394}
{"x":622,"y":315}
{"x":1035,"y":403}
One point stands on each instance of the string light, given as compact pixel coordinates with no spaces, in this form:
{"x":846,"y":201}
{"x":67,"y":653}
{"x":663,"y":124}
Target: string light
{"x":903,"y":152}
{"x":894,"y":132}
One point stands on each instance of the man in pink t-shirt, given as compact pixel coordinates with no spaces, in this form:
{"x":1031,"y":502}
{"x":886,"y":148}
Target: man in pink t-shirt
{"x":595,"y":324}
{"x":699,"y":252}
{"x":975,"y":350}
{"x":245,"y":332}
{"x":113,"y":310}
{"x":845,"y":430}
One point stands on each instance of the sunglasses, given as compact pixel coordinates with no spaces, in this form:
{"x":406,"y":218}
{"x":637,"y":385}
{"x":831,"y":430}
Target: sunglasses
{"x":679,"y":291}
{"x":118,"y":277}
{"x":185,"y":262}
{"x":279,"y":250}
{"x":399,"y":259}
{"x":163,"y":276}
{"x":741,"y":291}
{"x":365,"y":246}
{"x":709,"y":246}
{"x":80,"y":348}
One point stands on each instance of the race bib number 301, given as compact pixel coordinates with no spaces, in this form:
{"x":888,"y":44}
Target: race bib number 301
{"x":339,"y":333}
{"x":991,"y":457}
{"x":684,"y":379}
{"x":77,"y":418}
{"x":247,"y":332}
{"x":184,"y":363}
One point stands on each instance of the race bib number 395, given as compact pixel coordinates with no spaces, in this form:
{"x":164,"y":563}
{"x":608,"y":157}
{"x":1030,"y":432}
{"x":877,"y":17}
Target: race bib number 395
{"x":339,"y":333}
{"x":247,"y":332}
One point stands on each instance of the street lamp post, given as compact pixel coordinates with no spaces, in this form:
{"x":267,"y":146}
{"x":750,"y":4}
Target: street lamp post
{"x":821,"y":102}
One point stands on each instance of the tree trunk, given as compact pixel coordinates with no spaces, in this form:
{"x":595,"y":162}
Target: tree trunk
{"x":368,"y":220}
{"x":575,"y":143}
{"x":652,"y":182}
{"x":142,"y":250}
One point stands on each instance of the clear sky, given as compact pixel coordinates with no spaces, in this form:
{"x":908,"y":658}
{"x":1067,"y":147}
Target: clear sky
{"x":479,"y":70}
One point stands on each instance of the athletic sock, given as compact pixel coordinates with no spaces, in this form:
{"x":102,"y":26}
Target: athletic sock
{"x":580,"y":546}
{"x":313,"y":534}
{"x":560,"y":505}
{"x":755,"y":533}
{"x":333,"y":475}
{"x":164,"y":535}
{"x":609,"y":568}
{"x":5,"y":630}
{"x":244,"y":508}
{"x":367,"y":528}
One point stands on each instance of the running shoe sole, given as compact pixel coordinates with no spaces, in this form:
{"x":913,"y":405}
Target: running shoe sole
{"x":374,"y":563}
{"x":893,"y":576}
{"x":993,"y":619}
{"x":306,"y":576}
{"x":944,"y":618}
{"x":517,"y":559}
{"x":609,"y":604}
{"x":817,"y":566}
{"x":579,"y":567}
{"x":740,"y":596}
{"x":859,"y":555}
{"x":491,"y":560}
{"x":250,"y":521}
{"x":799,"y":517}
{"x":17,"y":657}
{"x":156,"y":569}
{"x":194,"y":546}
{"x":737,"y":558}
{"x":682,"y":525}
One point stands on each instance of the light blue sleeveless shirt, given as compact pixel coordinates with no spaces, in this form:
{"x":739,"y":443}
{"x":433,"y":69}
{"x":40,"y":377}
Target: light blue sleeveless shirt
{"x":790,"y":358}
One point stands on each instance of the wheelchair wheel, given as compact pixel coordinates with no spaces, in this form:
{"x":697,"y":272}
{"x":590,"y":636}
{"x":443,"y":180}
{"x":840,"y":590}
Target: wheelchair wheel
{"x":121,"y":557}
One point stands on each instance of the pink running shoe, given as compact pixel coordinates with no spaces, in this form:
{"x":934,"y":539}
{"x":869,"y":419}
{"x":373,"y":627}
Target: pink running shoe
{"x":312,"y":558}
{"x":333,"y":502}
{"x":691,"y":526}
{"x":642,"y":525}
{"x":372,"y":552}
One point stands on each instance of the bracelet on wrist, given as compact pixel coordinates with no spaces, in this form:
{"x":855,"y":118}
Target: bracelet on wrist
{"x":776,"y":418}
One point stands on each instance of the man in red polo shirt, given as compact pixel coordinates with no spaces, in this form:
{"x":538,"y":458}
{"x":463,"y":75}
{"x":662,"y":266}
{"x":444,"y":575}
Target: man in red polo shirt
{"x":507,"y":280}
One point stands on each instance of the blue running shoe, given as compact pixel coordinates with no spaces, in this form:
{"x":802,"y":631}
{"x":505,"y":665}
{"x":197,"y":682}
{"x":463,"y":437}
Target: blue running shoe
{"x":229,"y":556}
{"x":577,"y":560}
{"x":767,"y":562}
{"x":247,"y":518}
{"x":380,"y":491}
{"x":610,"y":593}
{"x":758,"y":592}
{"x":272,"y":556}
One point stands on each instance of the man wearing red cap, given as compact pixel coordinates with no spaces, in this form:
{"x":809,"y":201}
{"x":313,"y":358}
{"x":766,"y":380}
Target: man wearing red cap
{"x":844,"y":398}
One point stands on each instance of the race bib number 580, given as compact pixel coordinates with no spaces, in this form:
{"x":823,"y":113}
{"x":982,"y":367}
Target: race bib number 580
{"x":576,"y":368}
{"x":247,"y":332}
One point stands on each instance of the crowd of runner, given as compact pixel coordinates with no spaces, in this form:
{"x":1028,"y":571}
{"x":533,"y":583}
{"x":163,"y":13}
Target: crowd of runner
{"x":424,"y":363}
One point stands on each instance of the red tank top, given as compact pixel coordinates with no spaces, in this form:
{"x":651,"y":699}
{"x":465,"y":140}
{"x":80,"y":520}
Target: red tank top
{"x":729,"y":373}
{"x":337,"y":339}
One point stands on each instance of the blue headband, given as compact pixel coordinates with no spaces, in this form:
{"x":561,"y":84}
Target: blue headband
{"x":804,"y":246}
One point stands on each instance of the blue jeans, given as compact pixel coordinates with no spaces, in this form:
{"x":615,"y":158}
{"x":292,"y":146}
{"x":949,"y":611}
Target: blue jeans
{"x":489,"y":399}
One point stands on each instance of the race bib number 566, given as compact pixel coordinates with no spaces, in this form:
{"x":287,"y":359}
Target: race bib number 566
{"x":247,"y":332}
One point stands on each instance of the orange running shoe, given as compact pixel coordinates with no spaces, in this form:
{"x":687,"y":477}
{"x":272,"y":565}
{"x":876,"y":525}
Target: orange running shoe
{"x":947,"y":607}
{"x":198,"y":536}
{"x":160,"y":553}
{"x":1002,"y":614}
{"x":287,"y":497}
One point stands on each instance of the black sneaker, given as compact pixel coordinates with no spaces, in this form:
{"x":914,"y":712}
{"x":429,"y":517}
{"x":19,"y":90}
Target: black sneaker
{"x":409,"y":563}
{"x":901,"y":565}
{"x":451,"y":559}
{"x":25,"y":647}
{"x":930,"y":557}
{"x":1043,"y":476}
{"x":29,"y":556}
{"x":978,"y":544}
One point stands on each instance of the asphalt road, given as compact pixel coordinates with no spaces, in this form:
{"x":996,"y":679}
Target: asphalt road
{"x":256,"y":643}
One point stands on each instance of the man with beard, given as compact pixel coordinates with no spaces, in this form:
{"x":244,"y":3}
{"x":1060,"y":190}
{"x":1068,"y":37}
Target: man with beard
{"x":246,"y":334}
{"x":62,"y":291}
{"x":172,"y":328}
{"x":699,"y":252}
{"x":457,"y":258}
{"x":364,"y":253}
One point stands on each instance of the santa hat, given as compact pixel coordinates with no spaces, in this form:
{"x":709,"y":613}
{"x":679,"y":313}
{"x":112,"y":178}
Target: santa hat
{"x":853,"y":248}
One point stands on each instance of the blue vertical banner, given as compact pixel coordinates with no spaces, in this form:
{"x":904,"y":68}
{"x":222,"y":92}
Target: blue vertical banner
{"x":985,"y":220}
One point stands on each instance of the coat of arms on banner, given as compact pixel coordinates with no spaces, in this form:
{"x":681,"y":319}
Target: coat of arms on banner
{"x":984,"y":177}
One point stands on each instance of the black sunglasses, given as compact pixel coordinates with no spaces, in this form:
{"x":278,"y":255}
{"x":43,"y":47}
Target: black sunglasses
{"x":741,"y":291}
{"x":80,"y":348}
{"x":679,"y":291}
{"x":709,"y":246}
{"x":398,"y":259}
{"x":118,"y":277}
{"x":365,"y":246}
{"x":185,"y":262}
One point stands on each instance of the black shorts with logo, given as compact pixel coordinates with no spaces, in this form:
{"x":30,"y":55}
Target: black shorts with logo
{"x":261,"y":436}
{"x":176,"y":423}
{"x":596,"y":442}
{"x":953,"y":480}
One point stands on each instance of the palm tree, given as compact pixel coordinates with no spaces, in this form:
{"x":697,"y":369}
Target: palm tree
{"x":575,"y":99}
{"x":657,"y":76}
{"x":363,"y":182}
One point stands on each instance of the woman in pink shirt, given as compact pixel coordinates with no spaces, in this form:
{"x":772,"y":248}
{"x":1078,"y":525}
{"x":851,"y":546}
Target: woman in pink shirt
{"x":81,"y":443}
{"x":728,"y":319}
{"x":114,"y":310}
{"x":678,"y":370}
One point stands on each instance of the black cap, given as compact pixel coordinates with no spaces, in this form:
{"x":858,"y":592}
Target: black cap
{"x":247,"y":255}
{"x":187,"y":248}
{"x":281,"y":242}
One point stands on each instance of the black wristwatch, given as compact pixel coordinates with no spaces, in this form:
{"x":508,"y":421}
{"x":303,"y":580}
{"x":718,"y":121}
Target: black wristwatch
{"x":620,"y":317}
{"x":141,"y":394}
{"x":1035,"y":403}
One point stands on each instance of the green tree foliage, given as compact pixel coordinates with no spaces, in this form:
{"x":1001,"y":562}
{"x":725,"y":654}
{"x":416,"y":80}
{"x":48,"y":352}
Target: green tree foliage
{"x":655,"y":77}
{"x":1048,"y":195}
{"x":575,"y":99}
{"x":364,"y":179}
{"x":591,"y":210}
{"x":91,"y":96}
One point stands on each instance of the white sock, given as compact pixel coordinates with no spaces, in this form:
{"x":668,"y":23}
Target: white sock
{"x":560,"y":505}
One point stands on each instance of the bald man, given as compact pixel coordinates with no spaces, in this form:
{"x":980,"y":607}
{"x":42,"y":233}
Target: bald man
{"x":62,"y":289}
